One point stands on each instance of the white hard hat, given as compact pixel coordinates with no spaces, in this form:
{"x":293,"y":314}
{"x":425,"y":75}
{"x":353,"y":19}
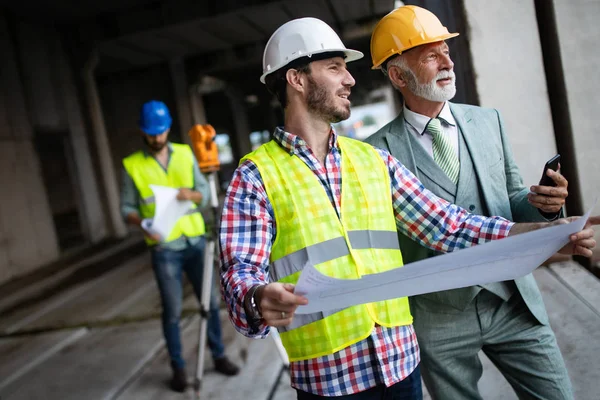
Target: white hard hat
{"x":302,"y":37}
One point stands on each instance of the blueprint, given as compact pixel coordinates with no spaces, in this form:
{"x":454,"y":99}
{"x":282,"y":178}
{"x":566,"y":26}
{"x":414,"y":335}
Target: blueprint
{"x":495,"y":261}
{"x":168,"y":211}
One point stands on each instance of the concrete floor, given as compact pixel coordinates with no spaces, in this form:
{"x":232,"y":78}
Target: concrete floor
{"x":101,"y":339}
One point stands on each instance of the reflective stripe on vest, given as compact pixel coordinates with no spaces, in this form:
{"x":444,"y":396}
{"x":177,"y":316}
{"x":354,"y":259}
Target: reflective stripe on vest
{"x":362,"y":241}
{"x":326,"y":251}
{"x":145,"y":170}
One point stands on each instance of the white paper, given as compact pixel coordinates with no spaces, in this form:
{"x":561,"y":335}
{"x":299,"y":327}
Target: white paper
{"x":167,"y":212}
{"x":495,"y":261}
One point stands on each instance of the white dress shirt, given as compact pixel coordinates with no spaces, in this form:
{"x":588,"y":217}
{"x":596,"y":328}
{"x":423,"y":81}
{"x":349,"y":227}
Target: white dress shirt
{"x":417,"y":123}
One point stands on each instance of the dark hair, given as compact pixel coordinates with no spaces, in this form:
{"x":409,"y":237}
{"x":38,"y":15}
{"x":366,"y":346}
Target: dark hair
{"x":277,"y":82}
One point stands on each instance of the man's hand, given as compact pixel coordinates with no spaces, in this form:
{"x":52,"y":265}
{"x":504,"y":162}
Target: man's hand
{"x":583,"y":241}
{"x":135,"y":219}
{"x":189,"y":194}
{"x":547,"y":198}
{"x":152,"y":236}
{"x":277,"y":303}
{"x":185,"y":194}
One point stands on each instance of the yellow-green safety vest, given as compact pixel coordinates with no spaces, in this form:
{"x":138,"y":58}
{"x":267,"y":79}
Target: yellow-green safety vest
{"x":145,"y":171}
{"x":362,"y":241}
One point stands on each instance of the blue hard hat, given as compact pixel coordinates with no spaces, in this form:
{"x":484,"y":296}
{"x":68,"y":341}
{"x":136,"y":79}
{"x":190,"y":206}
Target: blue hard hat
{"x":155,"y":118}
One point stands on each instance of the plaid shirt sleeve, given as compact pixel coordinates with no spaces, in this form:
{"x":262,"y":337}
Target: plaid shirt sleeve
{"x":432,"y":221}
{"x":246,"y":233}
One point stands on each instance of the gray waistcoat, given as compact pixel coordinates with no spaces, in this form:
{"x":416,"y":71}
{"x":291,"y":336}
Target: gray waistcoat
{"x":468,"y":196}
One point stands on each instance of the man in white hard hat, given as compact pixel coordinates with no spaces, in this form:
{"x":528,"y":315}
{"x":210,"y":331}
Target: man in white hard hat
{"x":311,"y":196}
{"x":461,"y":154}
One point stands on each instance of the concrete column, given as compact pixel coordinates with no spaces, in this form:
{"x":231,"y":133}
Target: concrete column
{"x":182,"y":98}
{"x":105,"y":159}
{"x":91,"y":210}
{"x":197,"y":106}
{"x":241,"y":143}
{"x":509,"y":71}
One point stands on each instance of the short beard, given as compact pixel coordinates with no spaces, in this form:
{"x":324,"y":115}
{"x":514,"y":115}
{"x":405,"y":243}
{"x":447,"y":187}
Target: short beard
{"x":154,"y":148}
{"x":431,"y":90}
{"x":319,"y":102}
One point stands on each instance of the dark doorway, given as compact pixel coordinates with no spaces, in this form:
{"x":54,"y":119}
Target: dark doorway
{"x":56,"y":161}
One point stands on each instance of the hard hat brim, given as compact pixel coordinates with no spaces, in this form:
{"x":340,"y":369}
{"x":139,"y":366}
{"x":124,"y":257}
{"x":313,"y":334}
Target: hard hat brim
{"x":155,"y":130}
{"x":351,"y":55}
{"x":397,"y":52}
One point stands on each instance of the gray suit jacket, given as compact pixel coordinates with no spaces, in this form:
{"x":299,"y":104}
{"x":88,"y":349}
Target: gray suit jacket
{"x":502,"y":188}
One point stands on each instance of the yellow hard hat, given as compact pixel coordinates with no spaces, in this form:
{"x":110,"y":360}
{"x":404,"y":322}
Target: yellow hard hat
{"x":404,"y":28}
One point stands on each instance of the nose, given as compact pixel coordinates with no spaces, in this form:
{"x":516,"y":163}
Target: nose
{"x":348,"y":79}
{"x":447,"y":62}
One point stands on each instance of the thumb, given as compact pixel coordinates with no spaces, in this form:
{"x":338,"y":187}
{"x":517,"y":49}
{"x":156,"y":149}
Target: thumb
{"x":289,"y":287}
{"x":593,"y":220}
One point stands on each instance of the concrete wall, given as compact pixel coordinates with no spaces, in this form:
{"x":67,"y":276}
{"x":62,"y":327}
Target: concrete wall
{"x":27,"y":236}
{"x":509,"y":74}
{"x":509,"y":69}
{"x":578,"y":31}
{"x":39,"y":97}
{"x":54,"y":106}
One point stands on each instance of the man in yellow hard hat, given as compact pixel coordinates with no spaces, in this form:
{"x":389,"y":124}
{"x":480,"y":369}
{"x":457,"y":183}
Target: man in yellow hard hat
{"x":312,"y":197}
{"x":461,"y":153}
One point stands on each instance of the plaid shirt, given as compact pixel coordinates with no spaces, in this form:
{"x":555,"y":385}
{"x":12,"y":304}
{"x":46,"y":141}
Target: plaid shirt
{"x":248,"y":231}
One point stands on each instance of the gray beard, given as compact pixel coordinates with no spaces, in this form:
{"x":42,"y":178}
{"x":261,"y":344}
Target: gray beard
{"x":431,"y":91}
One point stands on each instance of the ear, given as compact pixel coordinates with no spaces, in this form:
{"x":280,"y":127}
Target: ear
{"x":295,"y":80}
{"x":396,"y":76}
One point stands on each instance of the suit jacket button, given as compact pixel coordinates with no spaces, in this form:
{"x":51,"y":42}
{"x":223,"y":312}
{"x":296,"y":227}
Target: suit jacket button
{"x":472,"y":207}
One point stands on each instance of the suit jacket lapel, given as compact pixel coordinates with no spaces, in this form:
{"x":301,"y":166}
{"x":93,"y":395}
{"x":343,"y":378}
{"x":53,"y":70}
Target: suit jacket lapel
{"x":404,"y":147}
{"x":399,"y":144}
{"x":474,"y":134}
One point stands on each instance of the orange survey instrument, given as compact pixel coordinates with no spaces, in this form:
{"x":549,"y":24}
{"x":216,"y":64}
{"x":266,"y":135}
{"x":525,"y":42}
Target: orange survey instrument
{"x":205,"y":148}
{"x":203,"y":143}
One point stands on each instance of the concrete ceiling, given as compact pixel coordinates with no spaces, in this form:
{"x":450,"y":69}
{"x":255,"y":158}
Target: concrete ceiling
{"x":212,"y":36}
{"x":68,"y":11}
{"x":236,"y":28}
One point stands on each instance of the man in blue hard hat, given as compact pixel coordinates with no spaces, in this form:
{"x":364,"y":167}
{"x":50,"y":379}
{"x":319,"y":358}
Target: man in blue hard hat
{"x":169,"y":164}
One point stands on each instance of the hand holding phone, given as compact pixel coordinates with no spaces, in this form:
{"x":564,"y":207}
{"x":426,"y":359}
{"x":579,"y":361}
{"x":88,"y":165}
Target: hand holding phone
{"x":549,"y":197}
{"x":553,"y":165}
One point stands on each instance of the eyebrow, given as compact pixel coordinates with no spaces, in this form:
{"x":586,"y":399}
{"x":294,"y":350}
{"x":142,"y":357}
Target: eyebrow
{"x":435,"y":50}
{"x":334,"y":61}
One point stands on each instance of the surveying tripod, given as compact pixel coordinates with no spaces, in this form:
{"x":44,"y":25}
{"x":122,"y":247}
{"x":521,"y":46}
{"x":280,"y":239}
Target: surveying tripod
{"x":205,"y":148}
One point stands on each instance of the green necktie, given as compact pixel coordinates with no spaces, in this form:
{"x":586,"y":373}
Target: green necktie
{"x":443,"y":151}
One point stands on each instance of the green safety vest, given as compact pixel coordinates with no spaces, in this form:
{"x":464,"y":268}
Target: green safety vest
{"x":146,"y":170}
{"x":362,"y":241}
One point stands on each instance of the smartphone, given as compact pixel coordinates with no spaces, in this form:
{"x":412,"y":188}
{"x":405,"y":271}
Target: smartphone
{"x":553,"y":165}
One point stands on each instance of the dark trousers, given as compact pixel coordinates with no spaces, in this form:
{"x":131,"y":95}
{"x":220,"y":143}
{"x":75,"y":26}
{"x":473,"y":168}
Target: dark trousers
{"x":407,"y":389}
{"x":168,"y":267}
